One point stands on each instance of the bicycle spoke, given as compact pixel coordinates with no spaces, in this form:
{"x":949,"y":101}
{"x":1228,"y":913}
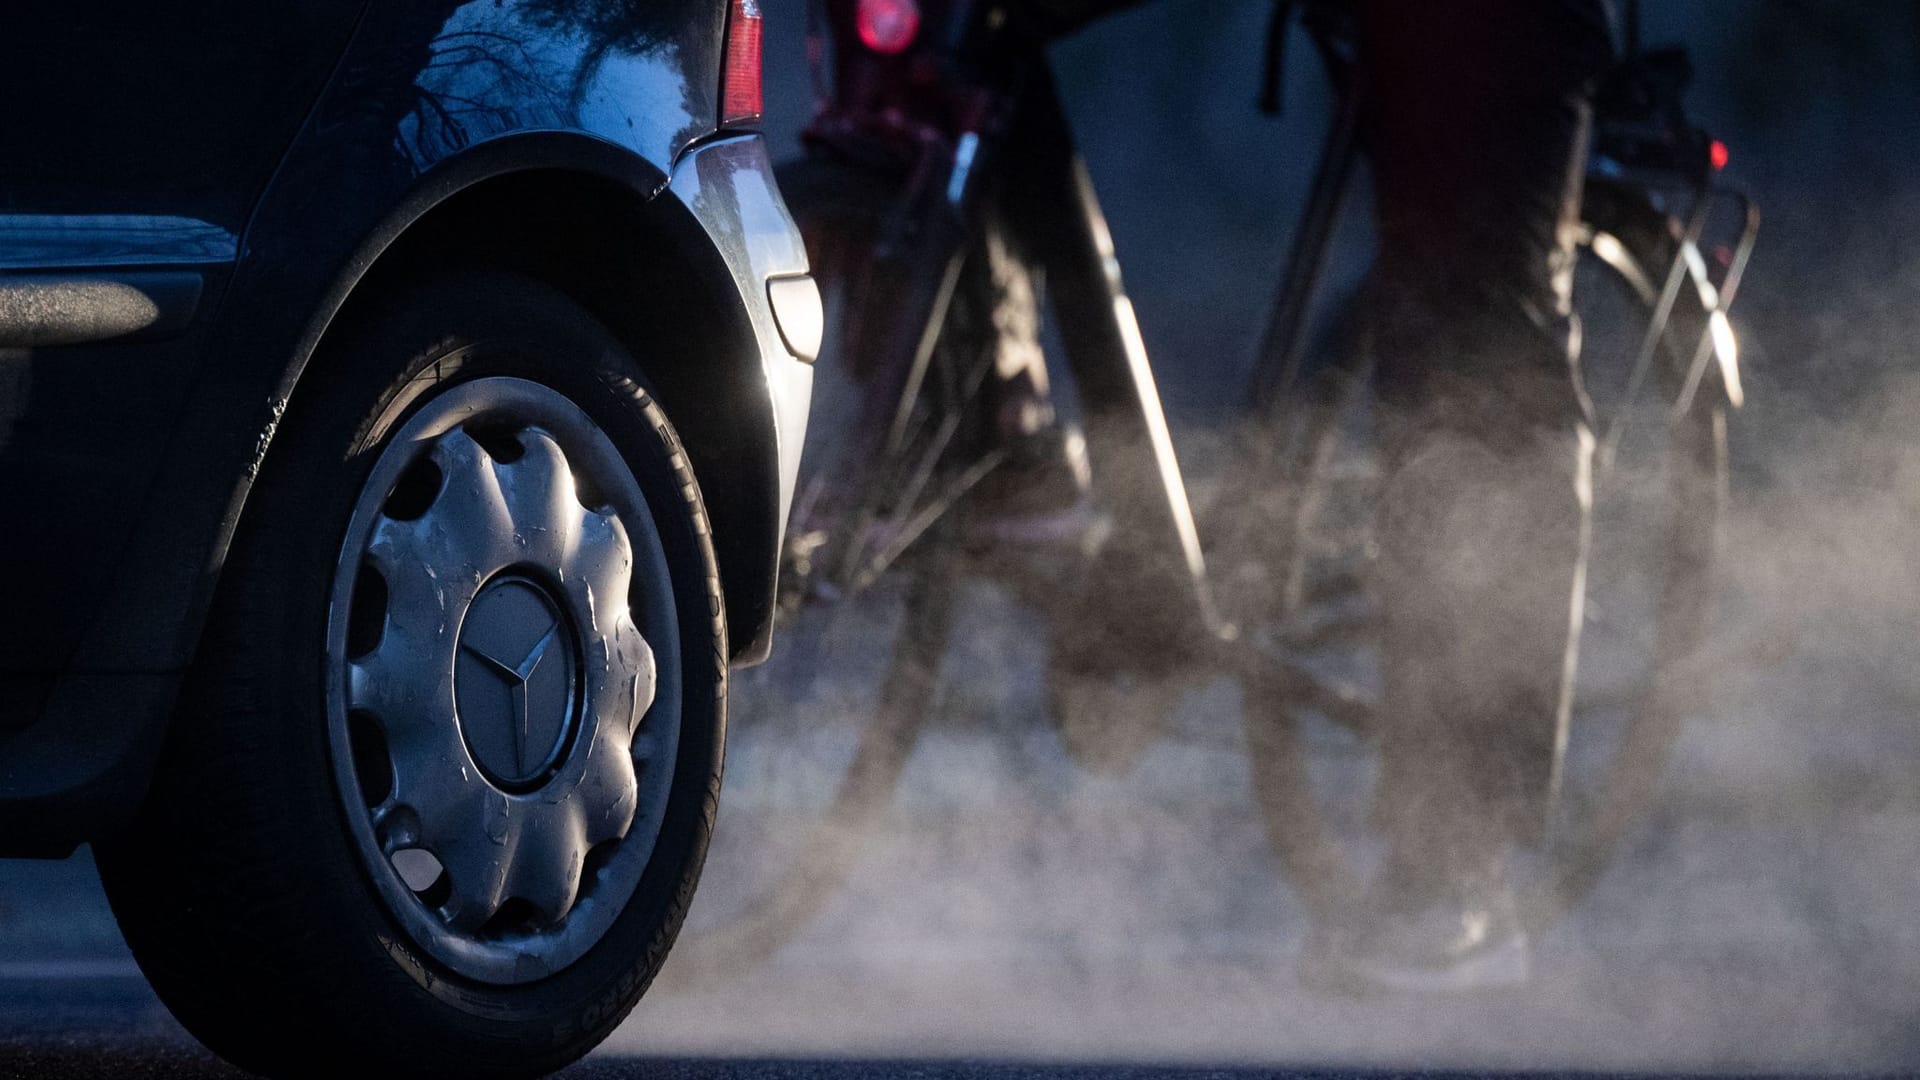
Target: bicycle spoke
{"x":1652,"y":339}
{"x":924,"y":520}
{"x":943,"y":437}
{"x":908,"y":519}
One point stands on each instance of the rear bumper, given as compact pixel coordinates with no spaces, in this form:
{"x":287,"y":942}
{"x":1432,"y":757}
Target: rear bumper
{"x":728,"y":186}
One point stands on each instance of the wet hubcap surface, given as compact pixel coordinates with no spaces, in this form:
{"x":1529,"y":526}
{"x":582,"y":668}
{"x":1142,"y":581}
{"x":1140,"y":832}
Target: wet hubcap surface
{"x":513,"y":682}
{"x":504,"y":706}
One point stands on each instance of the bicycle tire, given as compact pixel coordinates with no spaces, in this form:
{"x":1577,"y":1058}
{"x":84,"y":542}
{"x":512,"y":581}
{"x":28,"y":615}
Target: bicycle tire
{"x":840,"y":207}
{"x":1299,"y":832}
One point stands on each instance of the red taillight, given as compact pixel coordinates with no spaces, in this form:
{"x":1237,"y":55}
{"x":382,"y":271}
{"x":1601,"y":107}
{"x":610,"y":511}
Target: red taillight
{"x":1717,"y":155}
{"x":888,"y":26}
{"x":740,"y":84}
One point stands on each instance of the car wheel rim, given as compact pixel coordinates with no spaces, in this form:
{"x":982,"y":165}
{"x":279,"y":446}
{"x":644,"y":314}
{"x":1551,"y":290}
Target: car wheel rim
{"x":503,"y":680}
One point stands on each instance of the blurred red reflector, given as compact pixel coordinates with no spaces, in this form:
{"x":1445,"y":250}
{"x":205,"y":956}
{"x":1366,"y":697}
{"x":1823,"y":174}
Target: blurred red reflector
{"x":740,"y":101}
{"x":1717,"y":154}
{"x":888,"y":26}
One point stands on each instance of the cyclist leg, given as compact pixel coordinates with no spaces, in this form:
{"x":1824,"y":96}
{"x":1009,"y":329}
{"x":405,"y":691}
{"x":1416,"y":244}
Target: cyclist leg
{"x":1481,"y":118}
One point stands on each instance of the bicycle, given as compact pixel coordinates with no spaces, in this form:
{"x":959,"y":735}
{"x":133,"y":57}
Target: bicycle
{"x":940,"y":176}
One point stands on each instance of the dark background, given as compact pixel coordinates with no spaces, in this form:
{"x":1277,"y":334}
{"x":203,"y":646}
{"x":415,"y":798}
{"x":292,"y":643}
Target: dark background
{"x":1767,"y":916}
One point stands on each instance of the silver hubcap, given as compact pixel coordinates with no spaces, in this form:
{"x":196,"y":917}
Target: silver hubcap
{"x":503,"y":691}
{"x":513,"y":681}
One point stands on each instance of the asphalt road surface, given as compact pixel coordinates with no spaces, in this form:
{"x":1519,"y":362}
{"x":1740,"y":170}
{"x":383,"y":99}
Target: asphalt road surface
{"x":145,"y":1061}
{"x":103,"y":1024}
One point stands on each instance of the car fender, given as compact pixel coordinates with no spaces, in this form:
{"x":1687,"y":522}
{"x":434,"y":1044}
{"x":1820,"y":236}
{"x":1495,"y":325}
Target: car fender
{"x":365,"y":170}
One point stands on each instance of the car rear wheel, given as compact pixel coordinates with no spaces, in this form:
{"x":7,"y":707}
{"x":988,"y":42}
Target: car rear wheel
{"x":440,"y":789}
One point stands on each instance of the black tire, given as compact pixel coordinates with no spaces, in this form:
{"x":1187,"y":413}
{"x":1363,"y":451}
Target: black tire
{"x":239,"y":887}
{"x":1313,"y":840}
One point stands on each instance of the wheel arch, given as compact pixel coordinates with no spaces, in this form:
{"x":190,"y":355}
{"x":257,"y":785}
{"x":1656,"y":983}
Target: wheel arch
{"x":81,"y":768}
{"x":646,"y":269}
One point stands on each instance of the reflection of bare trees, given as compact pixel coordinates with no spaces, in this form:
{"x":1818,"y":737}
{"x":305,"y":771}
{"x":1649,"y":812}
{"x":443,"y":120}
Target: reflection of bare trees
{"x":474,"y":69}
{"x":474,"y":79}
{"x":380,"y":99}
{"x":632,"y":25}
{"x":607,"y":27}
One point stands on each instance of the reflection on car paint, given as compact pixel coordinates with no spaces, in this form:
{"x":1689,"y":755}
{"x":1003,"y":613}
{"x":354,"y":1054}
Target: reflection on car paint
{"x":28,"y":241}
{"x":613,"y":69}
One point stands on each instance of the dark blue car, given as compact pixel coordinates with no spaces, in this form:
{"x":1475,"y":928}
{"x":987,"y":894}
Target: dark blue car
{"x":399,"y":408}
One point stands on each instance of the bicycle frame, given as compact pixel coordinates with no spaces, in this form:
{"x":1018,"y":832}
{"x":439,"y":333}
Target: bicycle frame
{"x":969,"y":134}
{"x":970,"y":117}
{"x":1643,"y":138}
{"x":988,"y":135}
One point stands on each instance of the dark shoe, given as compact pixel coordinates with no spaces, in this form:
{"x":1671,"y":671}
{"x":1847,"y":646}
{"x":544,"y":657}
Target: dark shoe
{"x":1465,"y":938}
{"x":1042,"y":492}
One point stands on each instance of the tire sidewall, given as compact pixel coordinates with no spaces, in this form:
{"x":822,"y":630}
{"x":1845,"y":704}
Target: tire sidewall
{"x":381,"y":368}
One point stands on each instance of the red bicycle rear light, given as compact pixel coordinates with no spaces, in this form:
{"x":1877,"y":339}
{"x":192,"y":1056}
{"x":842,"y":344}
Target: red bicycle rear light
{"x":888,"y":26}
{"x":740,"y":101}
{"x":1717,"y":155}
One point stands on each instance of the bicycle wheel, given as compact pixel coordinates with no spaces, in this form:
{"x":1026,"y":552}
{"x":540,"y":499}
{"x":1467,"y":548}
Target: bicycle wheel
{"x":1313,"y":678}
{"x":825,"y":728}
